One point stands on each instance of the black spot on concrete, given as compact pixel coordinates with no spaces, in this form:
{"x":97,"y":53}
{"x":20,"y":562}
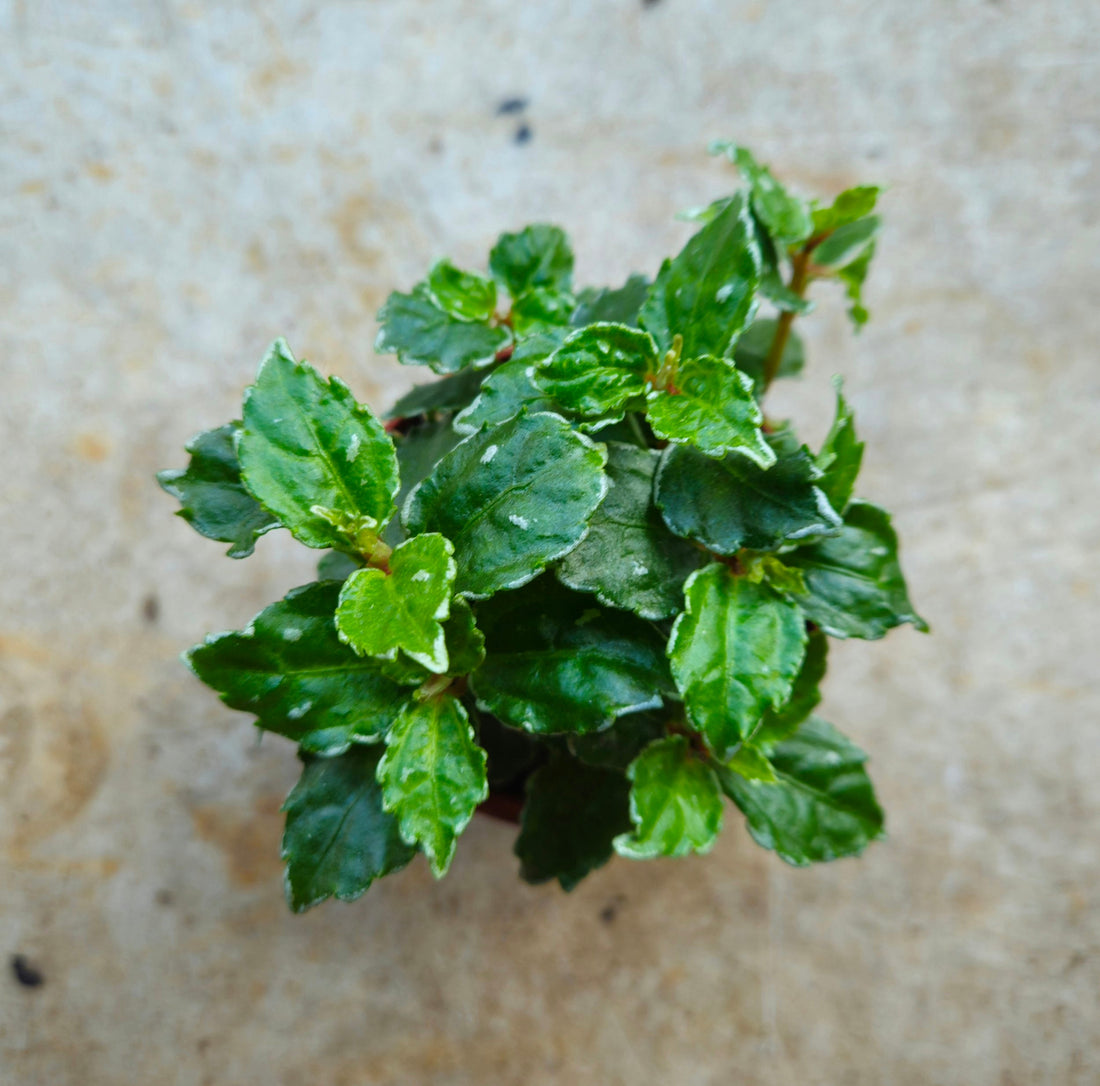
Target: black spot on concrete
{"x":650,"y":3}
{"x":523,"y":134}
{"x":150,"y":609}
{"x":164,"y":897}
{"x":25,"y":973}
{"x":512,"y":105}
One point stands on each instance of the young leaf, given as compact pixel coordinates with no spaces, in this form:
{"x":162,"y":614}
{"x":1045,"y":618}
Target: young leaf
{"x":420,"y":333}
{"x":854,"y":582}
{"x":289,"y":667}
{"x":752,"y":764}
{"x":598,"y":369}
{"x":729,"y":504}
{"x":853,"y":276}
{"x":786,"y":218}
{"x":840,"y":456}
{"x":312,"y":455}
{"x":619,"y":306}
{"x":822,"y":805}
{"x":433,"y":776}
{"x":540,"y":309}
{"x":537,"y":256}
{"x":451,"y":393}
{"x":464,"y":643}
{"x":735,"y":652}
{"x":847,"y":242}
{"x":213,"y":498}
{"x":712,"y":408}
{"x":851,"y":204}
{"x":465,"y":295}
{"x":779,"y":723}
{"x":511,"y":499}
{"x":629,"y":558}
{"x":753,"y":347}
{"x":675,"y":804}
{"x":571,"y":816}
{"x":338,"y":839}
{"x":381,"y":612}
{"x":706,"y":293}
{"x":556,"y":663}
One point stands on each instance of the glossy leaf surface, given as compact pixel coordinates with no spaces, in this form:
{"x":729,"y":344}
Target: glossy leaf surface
{"x":506,"y":392}
{"x":450,"y":393}
{"x":537,"y":256}
{"x":840,"y":457}
{"x":805,"y":695}
{"x":620,"y":305}
{"x":463,"y":294}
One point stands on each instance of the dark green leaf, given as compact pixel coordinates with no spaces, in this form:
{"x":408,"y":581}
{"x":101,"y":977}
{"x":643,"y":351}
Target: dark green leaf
{"x":511,"y":499}
{"x":505,"y":393}
{"x":786,"y":218}
{"x":289,"y":667}
{"x":822,"y":806}
{"x":556,"y":662}
{"x":779,"y":294}
{"x":542,"y":308}
{"x":338,"y":839}
{"x":779,"y":723}
{"x":380,"y":612}
{"x":616,"y":747}
{"x":705,"y":294}
{"x":465,"y":295}
{"x":433,"y":776}
{"x":619,"y":306}
{"x":629,"y":558}
{"x":537,"y":256}
{"x":850,"y":205}
{"x":317,"y":459}
{"x":418,"y":452}
{"x":735,"y":652}
{"x":729,"y":504}
{"x":572,"y":814}
{"x":840,"y":456}
{"x":712,"y":408}
{"x":447,"y":394}
{"x":337,"y":566}
{"x":675,"y":803}
{"x":847,"y":242}
{"x":854,"y":581}
{"x":421,"y":334}
{"x":512,"y":753}
{"x":214,"y":500}
{"x":753,"y":347}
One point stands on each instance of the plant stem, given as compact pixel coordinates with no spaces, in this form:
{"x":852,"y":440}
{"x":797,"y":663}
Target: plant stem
{"x":636,"y":427}
{"x":800,"y":265}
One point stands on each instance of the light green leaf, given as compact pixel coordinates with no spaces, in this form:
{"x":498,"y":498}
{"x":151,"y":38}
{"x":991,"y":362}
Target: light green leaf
{"x":786,"y":218}
{"x":619,"y":306}
{"x":729,"y":504}
{"x":465,"y":295}
{"x":537,"y":256}
{"x":822,"y":805}
{"x":381,"y":612}
{"x":753,"y":347}
{"x":735,"y":652}
{"x":778,"y":724}
{"x":214,"y":500}
{"x":712,"y":408}
{"x":433,"y":776}
{"x":770,"y":569}
{"x":675,"y":803}
{"x":506,"y":391}
{"x":555,"y":662}
{"x":598,"y":369}
{"x":851,"y":204}
{"x":847,"y":243}
{"x":465,"y":649}
{"x":752,"y":764}
{"x":853,"y":276}
{"x":841,"y":455}
{"x":854,"y":581}
{"x":706,"y":293}
{"x":420,"y":333}
{"x":571,"y":816}
{"x":338,"y":839}
{"x":511,"y":499}
{"x":317,"y":459}
{"x":629,"y":558}
{"x":289,"y":667}
{"x":542,"y":308}
{"x":450,"y":393}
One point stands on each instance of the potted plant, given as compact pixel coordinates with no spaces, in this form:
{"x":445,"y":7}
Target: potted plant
{"x":581,"y":580}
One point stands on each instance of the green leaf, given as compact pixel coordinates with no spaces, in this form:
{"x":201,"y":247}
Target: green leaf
{"x":598,"y":369}
{"x":542,"y":308}
{"x":317,"y":459}
{"x":512,"y":754}
{"x":822,"y":805}
{"x":572,"y":814}
{"x":619,"y":306}
{"x":450,"y":393}
{"x":851,"y":204}
{"x":511,"y":499}
{"x":506,"y":391}
{"x":729,"y":504}
{"x":418,"y":452}
{"x":675,"y":804}
{"x":712,"y":408}
{"x":382,"y":612}
{"x":465,"y":295}
{"x":537,"y":256}
{"x":854,"y":581}
{"x":629,"y":558}
{"x":420,"y":333}
{"x":841,"y":455}
{"x":779,"y":294}
{"x":752,"y":764}
{"x":847,"y":243}
{"x":337,"y":566}
{"x":753,"y":347}
{"x":786,"y":218}
{"x":779,"y":723}
{"x":853,"y":276}
{"x":338,"y":839}
{"x":706,"y":293}
{"x":735,"y":652}
{"x":289,"y":667}
{"x":433,"y":776}
{"x":464,"y":643}
{"x":616,"y":747}
{"x":556,"y":663}
{"x":214,"y":500}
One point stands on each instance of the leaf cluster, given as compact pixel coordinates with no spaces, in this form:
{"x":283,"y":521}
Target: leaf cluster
{"x":581,"y":567}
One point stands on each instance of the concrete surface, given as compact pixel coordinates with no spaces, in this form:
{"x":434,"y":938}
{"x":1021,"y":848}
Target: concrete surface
{"x":184,"y":180}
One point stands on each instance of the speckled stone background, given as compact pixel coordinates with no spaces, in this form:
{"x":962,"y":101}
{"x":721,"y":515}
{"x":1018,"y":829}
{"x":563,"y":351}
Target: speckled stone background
{"x":182,"y":181}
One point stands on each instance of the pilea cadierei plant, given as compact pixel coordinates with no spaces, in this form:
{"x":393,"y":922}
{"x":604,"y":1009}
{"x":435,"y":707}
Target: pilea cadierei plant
{"x":582,"y":578}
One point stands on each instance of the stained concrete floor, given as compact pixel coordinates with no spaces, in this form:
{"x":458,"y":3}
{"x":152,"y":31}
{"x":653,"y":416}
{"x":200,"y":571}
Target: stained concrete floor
{"x":182,"y":181}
